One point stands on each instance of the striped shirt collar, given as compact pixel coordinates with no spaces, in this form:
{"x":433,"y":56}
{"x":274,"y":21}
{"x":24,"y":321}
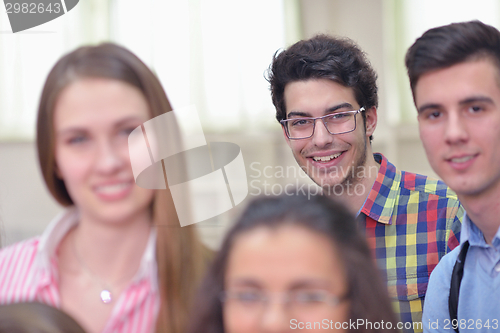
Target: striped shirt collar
{"x":62,"y":224}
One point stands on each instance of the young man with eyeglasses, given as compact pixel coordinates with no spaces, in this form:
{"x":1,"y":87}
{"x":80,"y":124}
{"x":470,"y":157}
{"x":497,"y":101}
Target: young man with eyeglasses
{"x":325,"y":94}
{"x":454,"y":75}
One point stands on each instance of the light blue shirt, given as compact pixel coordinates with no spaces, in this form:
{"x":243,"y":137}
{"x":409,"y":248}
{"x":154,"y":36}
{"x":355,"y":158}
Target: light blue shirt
{"x":479,"y":298}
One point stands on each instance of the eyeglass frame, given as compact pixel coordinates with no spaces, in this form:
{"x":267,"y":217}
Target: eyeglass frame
{"x":284,"y":121}
{"x":285,"y":298}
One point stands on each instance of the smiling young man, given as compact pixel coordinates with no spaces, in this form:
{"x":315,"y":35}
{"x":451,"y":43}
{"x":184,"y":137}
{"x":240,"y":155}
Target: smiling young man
{"x":325,"y":95}
{"x":454,"y":73}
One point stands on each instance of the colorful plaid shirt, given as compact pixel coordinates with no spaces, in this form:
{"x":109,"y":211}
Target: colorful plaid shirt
{"x":411,"y":222}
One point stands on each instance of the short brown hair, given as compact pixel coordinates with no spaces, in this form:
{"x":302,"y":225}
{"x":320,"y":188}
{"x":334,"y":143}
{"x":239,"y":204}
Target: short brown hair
{"x":449,"y":45}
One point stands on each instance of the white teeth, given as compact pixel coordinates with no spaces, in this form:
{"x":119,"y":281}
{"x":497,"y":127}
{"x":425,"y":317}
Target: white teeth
{"x":461,"y":159}
{"x":326,"y":158}
{"x":111,"y":189}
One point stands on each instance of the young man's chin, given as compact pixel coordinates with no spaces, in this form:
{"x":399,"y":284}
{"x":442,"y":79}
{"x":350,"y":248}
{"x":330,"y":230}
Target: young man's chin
{"x":326,"y":182}
{"x":467,"y":184}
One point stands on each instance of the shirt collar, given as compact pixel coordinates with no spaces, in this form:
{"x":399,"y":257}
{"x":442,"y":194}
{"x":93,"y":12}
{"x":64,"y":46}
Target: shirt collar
{"x":148,"y":268}
{"x":470,"y":232}
{"x":53,"y":235}
{"x":60,"y":226}
{"x":380,"y":202}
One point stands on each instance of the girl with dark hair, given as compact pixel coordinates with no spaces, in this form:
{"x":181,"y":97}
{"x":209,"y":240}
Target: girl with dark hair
{"x":117,"y":259}
{"x":293,"y":263}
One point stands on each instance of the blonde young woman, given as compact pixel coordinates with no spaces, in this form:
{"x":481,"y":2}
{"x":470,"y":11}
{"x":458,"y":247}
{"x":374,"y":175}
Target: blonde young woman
{"x":116,"y":259}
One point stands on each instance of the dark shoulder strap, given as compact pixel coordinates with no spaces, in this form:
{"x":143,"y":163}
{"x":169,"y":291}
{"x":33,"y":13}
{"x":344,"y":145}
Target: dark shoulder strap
{"x":456,"y":280}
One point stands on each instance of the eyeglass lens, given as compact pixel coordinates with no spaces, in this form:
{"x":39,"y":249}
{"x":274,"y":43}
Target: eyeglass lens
{"x":336,"y":123}
{"x":297,"y":303}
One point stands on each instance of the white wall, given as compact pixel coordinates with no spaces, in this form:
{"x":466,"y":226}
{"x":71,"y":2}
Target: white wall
{"x":26,"y":207}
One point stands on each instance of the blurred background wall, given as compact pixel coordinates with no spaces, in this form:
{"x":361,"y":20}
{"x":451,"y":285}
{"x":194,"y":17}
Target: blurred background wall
{"x":214,"y":54}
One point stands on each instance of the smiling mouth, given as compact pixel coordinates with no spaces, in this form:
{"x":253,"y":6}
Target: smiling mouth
{"x":112,"y":189}
{"x":326,"y":158}
{"x":462,"y":159}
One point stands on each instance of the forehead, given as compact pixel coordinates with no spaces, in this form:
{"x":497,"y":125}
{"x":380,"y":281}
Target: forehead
{"x":97,"y":101}
{"x":458,"y":82}
{"x":317,"y":95}
{"x":280,"y":256}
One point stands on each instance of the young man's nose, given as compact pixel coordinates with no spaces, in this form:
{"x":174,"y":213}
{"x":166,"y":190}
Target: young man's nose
{"x":321,"y":137}
{"x":456,"y":130}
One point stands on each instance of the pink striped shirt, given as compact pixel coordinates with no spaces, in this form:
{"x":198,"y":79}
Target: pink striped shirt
{"x":29,"y":272}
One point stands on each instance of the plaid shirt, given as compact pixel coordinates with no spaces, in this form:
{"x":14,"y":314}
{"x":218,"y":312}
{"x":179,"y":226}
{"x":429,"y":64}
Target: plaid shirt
{"x":410,"y":222}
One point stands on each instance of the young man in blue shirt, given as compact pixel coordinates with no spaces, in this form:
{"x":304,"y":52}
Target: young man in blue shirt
{"x":454,"y":74}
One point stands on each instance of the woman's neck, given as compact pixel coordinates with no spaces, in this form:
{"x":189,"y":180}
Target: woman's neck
{"x":110,"y":251}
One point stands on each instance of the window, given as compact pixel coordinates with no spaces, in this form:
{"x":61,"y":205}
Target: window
{"x":212,"y":54}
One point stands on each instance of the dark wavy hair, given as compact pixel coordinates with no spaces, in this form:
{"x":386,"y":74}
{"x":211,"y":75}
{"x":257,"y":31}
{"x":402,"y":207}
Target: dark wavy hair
{"x":366,"y":291}
{"x":323,"y":57}
{"x":36,"y":318}
{"x":449,"y":45}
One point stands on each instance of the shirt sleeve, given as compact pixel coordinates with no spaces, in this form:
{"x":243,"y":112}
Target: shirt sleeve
{"x":436,"y":317}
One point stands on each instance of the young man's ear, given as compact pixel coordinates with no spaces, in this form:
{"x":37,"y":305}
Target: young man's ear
{"x":371,"y":120}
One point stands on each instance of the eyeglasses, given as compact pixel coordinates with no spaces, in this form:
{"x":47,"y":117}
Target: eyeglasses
{"x":299,"y":302}
{"x":335,"y":123}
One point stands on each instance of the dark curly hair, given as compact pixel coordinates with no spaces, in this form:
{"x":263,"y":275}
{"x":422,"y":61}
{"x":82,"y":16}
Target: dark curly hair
{"x":323,"y":57}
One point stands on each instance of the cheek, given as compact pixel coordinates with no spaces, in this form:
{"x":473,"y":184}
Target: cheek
{"x":429,"y":140}
{"x":237,"y":322}
{"x":340,"y":314}
{"x":71,"y":168}
{"x":145,"y":194}
{"x":297,"y":146}
{"x":356,"y":138}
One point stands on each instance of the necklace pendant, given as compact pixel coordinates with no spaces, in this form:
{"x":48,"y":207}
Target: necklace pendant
{"x":106,"y":296}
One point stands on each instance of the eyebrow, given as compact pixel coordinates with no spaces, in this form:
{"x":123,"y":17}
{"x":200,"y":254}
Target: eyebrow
{"x":473,"y":99}
{"x":301,"y":284}
{"x":131,"y":120}
{"x":245,"y":282}
{"x":468,"y":100}
{"x":77,"y":129}
{"x":428,"y":106}
{"x":309,"y":284}
{"x":327,"y":111}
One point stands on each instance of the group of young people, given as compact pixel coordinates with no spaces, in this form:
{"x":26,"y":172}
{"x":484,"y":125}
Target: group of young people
{"x":117,"y":260}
